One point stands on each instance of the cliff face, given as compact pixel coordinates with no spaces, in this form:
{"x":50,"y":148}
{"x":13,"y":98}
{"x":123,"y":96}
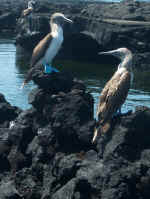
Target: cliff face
{"x":97,"y":27}
{"x":46,"y":151}
{"x":125,"y":24}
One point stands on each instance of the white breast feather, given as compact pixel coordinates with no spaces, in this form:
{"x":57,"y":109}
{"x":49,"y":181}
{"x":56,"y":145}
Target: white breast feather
{"x":54,"y":46}
{"x":121,"y":70}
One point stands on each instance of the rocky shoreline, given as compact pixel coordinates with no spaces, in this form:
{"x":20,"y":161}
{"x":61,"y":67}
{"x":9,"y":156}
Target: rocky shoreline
{"x":97,"y":27}
{"x":46,"y":151}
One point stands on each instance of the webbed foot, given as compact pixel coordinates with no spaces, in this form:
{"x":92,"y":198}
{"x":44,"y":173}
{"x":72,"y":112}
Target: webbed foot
{"x":49,"y":69}
{"x":119,"y":114}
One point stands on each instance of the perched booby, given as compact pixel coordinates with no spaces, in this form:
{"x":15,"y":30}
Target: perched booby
{"x":48,"y":47}
{"x":115,"y":91}
{"x":29,"y":10}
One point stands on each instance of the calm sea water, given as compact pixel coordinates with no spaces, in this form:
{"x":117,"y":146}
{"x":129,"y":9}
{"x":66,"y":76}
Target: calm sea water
{"x":11,"y":76}
{"x":94,"y":75}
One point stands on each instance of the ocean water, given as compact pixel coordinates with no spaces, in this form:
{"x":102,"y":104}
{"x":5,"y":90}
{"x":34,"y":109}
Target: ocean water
{"x":11,"y":77}
{"x":14,"y":65}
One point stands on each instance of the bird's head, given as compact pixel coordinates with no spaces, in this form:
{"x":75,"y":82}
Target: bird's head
{"x":59,"y":19}
{"x":124,"y":54}
{"x":31,"y":4}
{"x":120,"y":53}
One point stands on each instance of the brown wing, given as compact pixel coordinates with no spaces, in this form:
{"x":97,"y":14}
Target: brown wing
{"x":113,"y":95}
{"x":40,"y":49}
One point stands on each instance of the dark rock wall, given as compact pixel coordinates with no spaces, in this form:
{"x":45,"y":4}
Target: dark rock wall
{"x":97,"y":27}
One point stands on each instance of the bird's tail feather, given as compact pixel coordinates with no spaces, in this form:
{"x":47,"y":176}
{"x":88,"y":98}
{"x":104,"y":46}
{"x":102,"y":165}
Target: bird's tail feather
{"x":28,"y":77}
{"x":95,"y":135}
{"x":106,"y":127}
{"x":101,"y":129}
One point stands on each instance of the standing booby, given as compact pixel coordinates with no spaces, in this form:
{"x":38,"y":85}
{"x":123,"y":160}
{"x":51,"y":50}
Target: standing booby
{"x":48,"y":47}
{"x":28,"y":14}
{"x":115,"y":91}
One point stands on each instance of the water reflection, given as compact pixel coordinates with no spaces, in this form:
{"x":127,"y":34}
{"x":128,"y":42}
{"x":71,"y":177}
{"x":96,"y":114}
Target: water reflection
{"x":14,"y":64}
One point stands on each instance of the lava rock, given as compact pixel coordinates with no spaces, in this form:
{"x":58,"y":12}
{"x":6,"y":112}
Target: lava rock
{"x":8,"y":190}
{"x":54,"y":82}
{"x":7,"y":112}
{"x":5,"y":147}
{"x":124,"y":152}
{"x":69,"y":115}
{"x":37,"y":98}
{"x":8,"y":21}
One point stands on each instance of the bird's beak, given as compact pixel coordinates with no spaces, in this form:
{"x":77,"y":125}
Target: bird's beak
{"x":68,"y":20}
{"x":111,"y":52}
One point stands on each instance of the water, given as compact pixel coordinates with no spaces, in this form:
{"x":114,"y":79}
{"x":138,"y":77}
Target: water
{"x":94,"y":75}
{"x":10,"y":76}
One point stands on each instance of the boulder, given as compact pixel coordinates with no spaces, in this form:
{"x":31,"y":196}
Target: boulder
{"x":54,"y":82}
{"x":7,"y":112}
{"x":8,"y":21}
{"x":8,"y":190}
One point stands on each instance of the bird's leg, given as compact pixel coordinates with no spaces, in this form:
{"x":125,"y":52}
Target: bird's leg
{"x":31,"y":22}
{"x":119,"y":113}
{"x":49,"y":69}
{"x":124,"y":114}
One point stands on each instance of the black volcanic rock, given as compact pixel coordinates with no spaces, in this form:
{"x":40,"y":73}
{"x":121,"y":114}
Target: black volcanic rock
{"x":55,"y":82}
{"x":64,"y":104}
{"x":8,"y":21}
{"x":124,"y":153}
{"x":7,"y":112}
{"x":47,"y":152}
{"x":8,"y":190}
{"x":123,"y":170}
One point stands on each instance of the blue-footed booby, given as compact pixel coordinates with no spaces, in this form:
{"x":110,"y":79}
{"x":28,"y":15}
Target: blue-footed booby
{"x":115,"y":91}
{"x":48,"y":47}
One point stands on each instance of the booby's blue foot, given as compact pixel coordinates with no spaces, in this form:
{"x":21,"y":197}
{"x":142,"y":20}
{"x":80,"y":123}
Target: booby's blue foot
{"x":49,"y":69}
{"x":118,"y":113}
{"x":55,"y":70}
{"x":126,"y":113}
